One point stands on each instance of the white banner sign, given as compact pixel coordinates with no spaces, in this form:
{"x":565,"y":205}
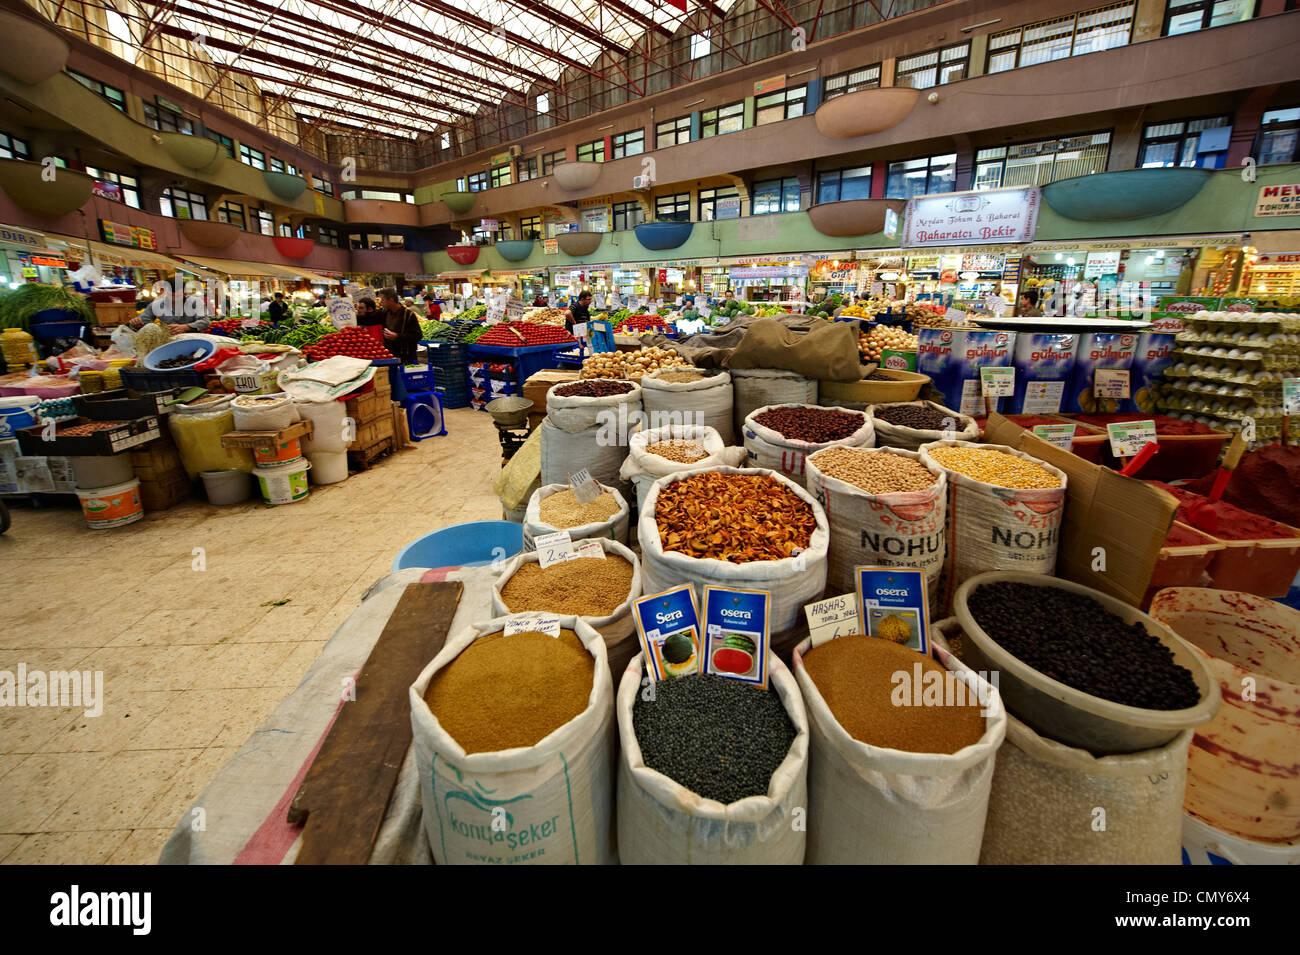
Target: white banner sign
{"x":1278,"y":200}
{"x":964,"y":218}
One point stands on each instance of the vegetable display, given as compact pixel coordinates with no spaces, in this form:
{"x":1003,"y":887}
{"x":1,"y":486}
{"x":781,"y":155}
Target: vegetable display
{"x":645,"y":323}
{"x":354,"y":342}
{"x":523,"y":334}
{"x":18,"y":307}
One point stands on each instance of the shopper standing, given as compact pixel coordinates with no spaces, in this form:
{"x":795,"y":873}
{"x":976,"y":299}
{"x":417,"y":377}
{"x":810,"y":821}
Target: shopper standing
{"x":401,"y":327}
{"x":278,"y":310}
{"x":367,"y":314}
{"x":579,"y":311}
{"x":432,"y":310}
{"x":1029,"y":304}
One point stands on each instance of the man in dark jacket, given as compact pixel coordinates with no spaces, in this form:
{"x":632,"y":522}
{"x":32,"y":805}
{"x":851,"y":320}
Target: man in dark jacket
{"x":401,"y":326}
{"x":278,"y":310}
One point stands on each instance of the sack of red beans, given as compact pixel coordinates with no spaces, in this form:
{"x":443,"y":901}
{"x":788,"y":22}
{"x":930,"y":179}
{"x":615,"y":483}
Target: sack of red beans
{"x":779,"y":437}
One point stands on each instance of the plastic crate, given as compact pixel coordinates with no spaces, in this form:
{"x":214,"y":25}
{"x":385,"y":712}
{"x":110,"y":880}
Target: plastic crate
{"x":142,"y":379}
{"x":418,"y":378}
{"x":527,"y":361}
{"x":120,"y":405}
{"x":446,"y":354}
{"x":453,"y":398}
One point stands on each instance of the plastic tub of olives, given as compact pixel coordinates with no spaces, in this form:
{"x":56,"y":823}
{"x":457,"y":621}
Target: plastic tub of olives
{"x":1071,"y":716}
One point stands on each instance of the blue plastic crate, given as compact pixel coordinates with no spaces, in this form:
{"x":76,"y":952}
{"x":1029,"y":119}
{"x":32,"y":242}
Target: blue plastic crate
{"x":527,"y":361}
{"x":446,"y":354}
{"x":418,"y":378}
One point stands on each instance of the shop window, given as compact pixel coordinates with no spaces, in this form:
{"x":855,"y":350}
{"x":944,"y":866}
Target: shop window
{"x":774,"y":195}
{"x":252,"y":157}
{"x":110,"y":93}
{"x":11,"y":147}
{"x":628,"y":144}
{"x":500,"y":175}
{"x":836,"y":184}
{"x":592,"y":152}
{"x":181,"y":204}
{"x":1278,"y":135}
{"x":385,"y":195}
{"x":627,"y":215}
{"x":530,"y":227}
{"x":166,"y":120}
{"x":674,"y":132}
{"x":128,"y":185}
{"x":1062,"y":37}
{"x":527,"y":168}
{"x":551,"y":160}
{"x":231,"y":212}
{"x":933,"y":68}
{"x":920,"y":177}
{"x":783,"y":104}
{"x":327,"y":236}
{"x":719,"y":204}
{"x":477,"y":181}
{"x":1188,"y":16}
{"x":674,"y":208}
{"x":226,"y":142}
{"x":264,"y":221}
{"x":1038,"y":163}
{"x":1177,"y":143}
{"x":724,"y":119}
{"x":863,"y":78}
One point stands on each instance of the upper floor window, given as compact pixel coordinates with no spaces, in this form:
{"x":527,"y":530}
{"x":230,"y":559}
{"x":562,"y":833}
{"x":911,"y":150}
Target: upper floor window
{"x":673,"y":208}
{"x":721,"y":203}
{"x":627,"y":215}
{"x":1278,"y":135}
{"x":444,"y":141}
{"x":127,"y":186}
{"x":11,"y":147}
{"x":327,"y":236}
{"x":919,"y":177}
{"x":1188,"y":16}
{"x":264,"y":221}
{"x":551,"y":160}
{"x":181,"y":204}
{"x":673,"y":132}
{"x":724,"y":119}
{"x":166,"y":120}
{"x":701,"y":45}
{"x":1178,"y":143}
{"x":836,"y":184}
{"x":592,"y":152}
{"x":226,"y":142}
{"x":530,"y":227}
{"x":252,"y":157}
{"x":500,"y":175}
{"x":281,"y":166}
{"x":783,"y":104}
{"x":527,"y":168}
{"x":477,"y":181}
{"x":1087,"y":32}
{"x":863,"y":78}
{"x":628,"y":144}
{"x":933,"y":68}
{"x":1038,"y":163}
{"x":320,"y":184}
{"x":543,"y":103}
{"x":231,"y":212}
{"x":110,"y":93}
{"x":774,"y":195}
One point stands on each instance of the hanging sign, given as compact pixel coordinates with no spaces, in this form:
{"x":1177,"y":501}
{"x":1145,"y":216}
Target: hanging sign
{"x":984,"y":216}
{"x":342,"y":312}
{"x":1278,"y":200}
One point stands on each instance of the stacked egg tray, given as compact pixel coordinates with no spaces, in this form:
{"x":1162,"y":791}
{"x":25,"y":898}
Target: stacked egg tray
{"x":1229,"y":366}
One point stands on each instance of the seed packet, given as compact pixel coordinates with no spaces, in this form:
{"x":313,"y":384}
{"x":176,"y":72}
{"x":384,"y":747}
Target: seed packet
{"x":736,"y":631}
{"x":668,"y":628}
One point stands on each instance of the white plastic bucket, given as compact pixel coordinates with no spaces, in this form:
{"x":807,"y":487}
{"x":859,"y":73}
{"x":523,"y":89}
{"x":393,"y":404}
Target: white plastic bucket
{"x":328,"y":467}
{"x":113,"y":506}
{"x":1205,"y":845}
{"x":264,"y":412}
{"x":284,"y":484}
{"x":17,"y":411}
{"x":228,"y":486}
{"x":101,"y":470}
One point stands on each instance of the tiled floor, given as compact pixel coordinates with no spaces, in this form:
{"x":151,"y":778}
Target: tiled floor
{"x":192,"y":659}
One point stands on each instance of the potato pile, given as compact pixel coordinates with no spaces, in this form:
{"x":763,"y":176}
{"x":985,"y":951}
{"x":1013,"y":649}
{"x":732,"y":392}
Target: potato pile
{"x":881,"y":337}
{"x":632,"y":364}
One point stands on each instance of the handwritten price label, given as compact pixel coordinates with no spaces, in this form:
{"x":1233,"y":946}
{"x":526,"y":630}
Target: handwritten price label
{"x":585,"y":488}
{"x":533,"y":623}
{"x":1110,"y":383}
{"x":554,"y":548}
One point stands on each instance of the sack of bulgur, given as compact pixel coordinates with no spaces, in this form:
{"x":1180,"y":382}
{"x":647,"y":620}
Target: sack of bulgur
{"x":554,"y":508}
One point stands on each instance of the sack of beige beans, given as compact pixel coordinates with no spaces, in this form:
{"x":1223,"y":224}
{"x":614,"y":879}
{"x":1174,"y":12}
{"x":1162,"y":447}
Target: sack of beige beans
{"x":957,"y":427}
{"x":689,"y":396}
{"x":769,"y":448}
{"x":903,"y":528}
{"x":643,"y":467}
{"x":661,"y":822}
{"x":874,"y":805}
{"x":546,"y":804}
{"x":611,"y":521}
{"x":754,"y":388}
{"x":992,"y":527}
{"x":615,"y":626}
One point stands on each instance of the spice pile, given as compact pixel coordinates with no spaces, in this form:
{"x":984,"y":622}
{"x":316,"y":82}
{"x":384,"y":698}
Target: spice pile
{"x":1165,"y":425}
{"x":1076,"y":641}
{"x":856,"y":677}
{"x":679,"y":450}
{"x":995,"y":467}
{"x":733,"y":517}
{"x":631,"y":364}
{"x":679,"y":377}
{"x":920,"y":417}
{"x":563,"y":510}
{"x":1264,"y":483}
{"x":503,"y":692}
{"x":584,"y":587}
{"x":1029,"y":422}
{"x":1234,"y":523}
{"x":876,"y":472}
{"x":811,"y":425}
{"x":593,"y":389}
{"x":353,"y":341}
{"x":523,"y":334}
{"x":719,"y":738}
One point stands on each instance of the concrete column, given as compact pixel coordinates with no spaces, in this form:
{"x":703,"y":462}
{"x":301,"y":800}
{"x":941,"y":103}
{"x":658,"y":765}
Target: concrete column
{"x":1246,"y":123}
{"x":1148,"y":20}
{"x":1126,"y":140}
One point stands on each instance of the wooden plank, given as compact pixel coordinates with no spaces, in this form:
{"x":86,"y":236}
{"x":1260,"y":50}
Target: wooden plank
{"x":346,"y":791}
{"x":265,"y":439}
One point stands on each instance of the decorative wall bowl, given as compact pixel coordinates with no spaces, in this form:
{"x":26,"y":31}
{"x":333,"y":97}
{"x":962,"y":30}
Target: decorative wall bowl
{"x":864,"y":112}
{"x":1126,"y":194}
{"x":579,"y":243}
{"x":853,"y":216}
{"x":657,"y":236}
{"x":515,"y":250}
{"x":24,"y":183}
{"x":576,"y":175}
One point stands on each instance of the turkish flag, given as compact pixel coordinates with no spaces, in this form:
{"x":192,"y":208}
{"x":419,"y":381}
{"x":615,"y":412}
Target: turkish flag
{"x":679,"y":4}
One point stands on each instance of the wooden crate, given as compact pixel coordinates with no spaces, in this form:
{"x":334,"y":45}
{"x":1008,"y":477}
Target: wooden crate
{"x":165,"y":493}
{"x":382,"y":385}
{"x":362,"y":458}
{"x":368,"y":407}
{"x":265,"y":439}
{"x":536,"y":387}
{"x":368,"y":434}
{"x":112,"y":314}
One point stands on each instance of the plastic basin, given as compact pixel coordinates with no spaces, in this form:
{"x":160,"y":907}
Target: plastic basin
{"x":227,"y":486}
{"x":173,"y":349}
{"x":474,"y":544}
{"x":1071,"y":716}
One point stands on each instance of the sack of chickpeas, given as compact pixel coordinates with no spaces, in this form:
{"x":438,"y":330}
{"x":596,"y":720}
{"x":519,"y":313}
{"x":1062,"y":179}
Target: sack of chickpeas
{"x":652,"y":454}
{"x":575,"y":406}
{"x":689,"y":396}
{"x":554,"y":508}
{"x":910,"y":424}
{"x":885,"y":507}
{"x":779,"y":437}
{"x":1005,"y":510}
{"x":754,"y":388}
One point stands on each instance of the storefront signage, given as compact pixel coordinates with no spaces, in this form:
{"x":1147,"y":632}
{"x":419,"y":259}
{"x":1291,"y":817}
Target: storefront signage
{"x":1101,"y":263}
{"x":1279,"y":258}
{"x":1278,"y":200}
{"x":115,"y":233}
{"x":769,"y":272}
{"x":489,"y":225}
{"x":49,"y":261}
{"x":550,"y":246}
{"x":596,"y":219}
{"x":16,"y":236}
{"x":500,"y":159}
{"x":727,"y":208}
{"x":959,"y":218}
{"x":770,"y":84}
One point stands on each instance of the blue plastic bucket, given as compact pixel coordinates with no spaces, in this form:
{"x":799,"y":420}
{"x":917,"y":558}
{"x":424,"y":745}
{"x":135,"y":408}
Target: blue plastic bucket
{"x":475,"y":544}
{"x":17,"y":412}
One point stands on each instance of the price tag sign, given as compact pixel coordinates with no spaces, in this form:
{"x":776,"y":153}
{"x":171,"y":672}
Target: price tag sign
{"x":834,"y":617}
{"x":553,"y":548}
{"x":585,"y":487}
{"x":995,"y":303}
{"x":1061,"y":435}
{"x":955,"y":316}
{"x":668,"y":628}
{"x":548,"y":624}
{"x":599,"y":301}
{"x":998,"y":382}
{"x":589,"y":548}
{"x":1110,"y":383}
{"x":246,"y":384}
{"x":580,"y":330}
{"x":342,"y":312}
{"x":254,"y":322}
{"x":515,"y":309}
{"x":894,"y":605}
{"x":736,"y":634}
{"x":705,"y":311}
{"x":1291,"y":396}
{"x":1127,"y":438}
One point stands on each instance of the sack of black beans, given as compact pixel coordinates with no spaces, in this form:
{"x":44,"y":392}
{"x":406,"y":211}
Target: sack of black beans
{"x":878,"y":805}
{"x":545,"y":803}
{"x":1007,"y":518}
{"x":589,"y":403}
{"x":705,"y":401}
{"x":754,"y":388}
{"x":676,"y":449}
{"x":892,"y":528}
{"x":608,"y":515}
{"x":565,"y":453}
{"x":780,"y":437}
{"x":915,"y":423}
{"x":792,"y":581}
{"x":661,"y":821}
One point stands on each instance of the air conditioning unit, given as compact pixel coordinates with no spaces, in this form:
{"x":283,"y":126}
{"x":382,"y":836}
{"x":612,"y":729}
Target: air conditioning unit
{"x":641,"y":183}
{"x":516,"y":152}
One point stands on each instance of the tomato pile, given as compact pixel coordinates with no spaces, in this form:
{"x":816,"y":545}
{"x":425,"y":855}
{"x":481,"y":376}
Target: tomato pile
{"x":353,"y":341}
{"x":644,"y":323}
{"x":521,"y":334}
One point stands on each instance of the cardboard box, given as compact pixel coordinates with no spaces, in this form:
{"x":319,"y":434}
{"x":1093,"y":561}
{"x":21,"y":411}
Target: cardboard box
{"x":536,"y":387}
{"x":1114,"y":526}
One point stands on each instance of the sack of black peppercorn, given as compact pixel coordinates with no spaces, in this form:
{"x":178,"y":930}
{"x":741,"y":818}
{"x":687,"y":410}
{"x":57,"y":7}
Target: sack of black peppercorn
{"x":919,"y":422}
